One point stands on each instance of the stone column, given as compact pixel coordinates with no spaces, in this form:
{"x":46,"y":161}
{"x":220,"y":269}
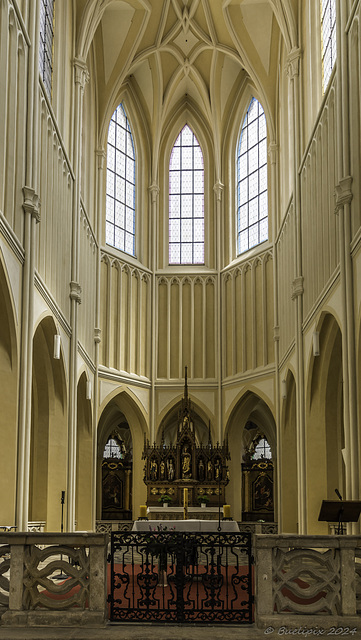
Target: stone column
{"x":31,"y":207}
{"x":100,"y":153}
{"x":154,"y":195}
{"x":32,"y":216}
{"x":343,"y":208}
{"x":81,"y":76}
{"x":293,"y":64}
{"x":218,"y":191}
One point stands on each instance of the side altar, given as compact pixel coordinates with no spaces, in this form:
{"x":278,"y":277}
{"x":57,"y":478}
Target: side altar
{"x":186,"y":464}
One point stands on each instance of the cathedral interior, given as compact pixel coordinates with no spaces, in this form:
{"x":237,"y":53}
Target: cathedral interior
{"x":179,"y":192}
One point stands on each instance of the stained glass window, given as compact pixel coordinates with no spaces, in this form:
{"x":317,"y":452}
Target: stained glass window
{"x":120,"y":190}
{"x":114,"y":449}
{"x":46,"y":43}
{"x":328,"y":38}
{"x":186,"y":200}
{"x":252,"y":202}
{"x":262,"y":450}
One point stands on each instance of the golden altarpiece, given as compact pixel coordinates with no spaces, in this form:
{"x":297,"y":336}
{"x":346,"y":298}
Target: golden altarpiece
{"x":201,"y":468}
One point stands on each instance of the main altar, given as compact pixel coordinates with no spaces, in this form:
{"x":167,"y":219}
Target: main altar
{"x":200,"y":468}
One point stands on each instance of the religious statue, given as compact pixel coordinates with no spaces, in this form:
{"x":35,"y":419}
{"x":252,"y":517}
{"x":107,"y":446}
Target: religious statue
{"x":209,"y":470}
{"x":153,"y":470}
{"x":170,"y":466}
{"x":186,"y":463}
{"x":201,"y":470}
{"x":162,"y":470}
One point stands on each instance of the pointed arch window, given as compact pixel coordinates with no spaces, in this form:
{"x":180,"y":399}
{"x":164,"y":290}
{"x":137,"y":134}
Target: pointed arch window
{"x":120,"y":190}
{"x":262,"y":449}
{"x":252,"y":199}
{"x":328,"y":39}
{"x":46,"y":43}
{"x":186,"y":200}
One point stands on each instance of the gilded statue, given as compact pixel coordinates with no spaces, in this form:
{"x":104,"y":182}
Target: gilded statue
{"x":186,"y":463}
{"x":153,"y":470}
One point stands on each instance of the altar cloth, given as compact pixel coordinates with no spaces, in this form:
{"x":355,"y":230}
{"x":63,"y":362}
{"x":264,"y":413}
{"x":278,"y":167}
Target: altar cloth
{"x":227,"y":526}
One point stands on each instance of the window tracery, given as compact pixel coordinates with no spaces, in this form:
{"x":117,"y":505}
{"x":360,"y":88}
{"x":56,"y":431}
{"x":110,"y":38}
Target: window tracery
{"x":252,"y":203}
{"x":120,"y":190}
{"x":186,"y":200}
{"x":46,"y":43}
{"x":328,"y":39}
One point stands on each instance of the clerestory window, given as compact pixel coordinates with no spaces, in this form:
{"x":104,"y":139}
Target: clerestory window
{"x":186,"y":200}
{"x":46,"y":43}
{"x":252,"y":199}
{"x":328,"y":39}
{"x":120,"y":190}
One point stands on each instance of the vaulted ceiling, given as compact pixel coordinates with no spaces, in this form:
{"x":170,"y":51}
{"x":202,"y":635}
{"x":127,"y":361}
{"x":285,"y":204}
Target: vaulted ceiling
{"x":199,"y":52}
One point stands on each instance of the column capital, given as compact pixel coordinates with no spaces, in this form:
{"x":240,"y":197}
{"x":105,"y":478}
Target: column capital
{"x":343,"y":193}
{"x":218,"y":190}
{"x":31,"y":203}
{"x":154,"y":192}
{"x":75,"y":291}
{"x":272,"y":152}
{"x":293,"y":62}
{"x":297,"y":287}
{"x":81,"y":72}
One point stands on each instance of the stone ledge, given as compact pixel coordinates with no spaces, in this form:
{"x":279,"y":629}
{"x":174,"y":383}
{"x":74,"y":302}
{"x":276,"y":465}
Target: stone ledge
{"x":44,"y":618}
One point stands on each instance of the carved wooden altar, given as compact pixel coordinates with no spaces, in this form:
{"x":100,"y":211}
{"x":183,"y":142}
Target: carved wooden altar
{"x":257,"y":490}
{"x":201,"y":468}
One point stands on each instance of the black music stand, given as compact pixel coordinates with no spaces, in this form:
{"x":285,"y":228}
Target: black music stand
{"x":340,"y":511}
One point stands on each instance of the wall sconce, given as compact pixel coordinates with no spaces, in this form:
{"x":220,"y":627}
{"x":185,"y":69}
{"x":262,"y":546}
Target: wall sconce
{"x":57,"y":347}
{"x":88,"y":390}
{"x":316,"y":343}
{"x":283,"y":389}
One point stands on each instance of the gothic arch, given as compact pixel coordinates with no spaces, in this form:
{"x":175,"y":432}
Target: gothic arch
{"x":250,"y":407}
{"x":84,"y":458}
{"x":9,"y":393}
{"x":324,"y":422}
{"x":49,"y":432}
{"x":120,"y":407}
{"x":169,"y":423}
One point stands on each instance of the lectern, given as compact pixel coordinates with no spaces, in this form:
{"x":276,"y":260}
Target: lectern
{"x":340,"y":511}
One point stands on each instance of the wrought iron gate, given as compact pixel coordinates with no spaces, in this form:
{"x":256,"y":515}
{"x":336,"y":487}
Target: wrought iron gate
{"x":174,"y":576}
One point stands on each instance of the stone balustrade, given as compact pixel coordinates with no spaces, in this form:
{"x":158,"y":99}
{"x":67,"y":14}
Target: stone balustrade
{"x":53,"y":579}
{"x":308,"y":580}
{"x":61,"y":580}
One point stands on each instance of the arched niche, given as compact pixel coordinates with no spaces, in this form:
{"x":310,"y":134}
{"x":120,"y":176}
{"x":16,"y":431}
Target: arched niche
{"x":84,"y":459}
{"x":9,"y":400}
{"x":49,"y":430}
{"x":325,"y":443}
{"x":121,"y":418}
{"x":250,"y":410}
